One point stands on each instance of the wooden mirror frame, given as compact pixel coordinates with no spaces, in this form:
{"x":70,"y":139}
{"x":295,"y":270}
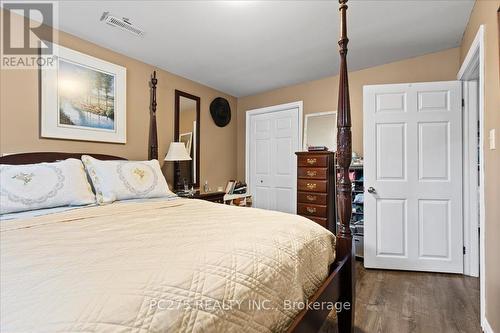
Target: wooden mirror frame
{"x":178,"y":95}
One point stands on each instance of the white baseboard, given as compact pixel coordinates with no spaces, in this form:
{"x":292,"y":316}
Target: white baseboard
{"x":486,"y":326}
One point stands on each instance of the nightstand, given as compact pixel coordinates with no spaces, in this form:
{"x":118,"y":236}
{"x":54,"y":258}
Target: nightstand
{"x":217,"y":197}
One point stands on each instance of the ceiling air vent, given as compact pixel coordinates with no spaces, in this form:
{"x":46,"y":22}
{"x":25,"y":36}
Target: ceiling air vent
{"x":122,"y":23}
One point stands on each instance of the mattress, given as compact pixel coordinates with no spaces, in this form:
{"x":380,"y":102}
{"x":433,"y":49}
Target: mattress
{"x":181,"y":265}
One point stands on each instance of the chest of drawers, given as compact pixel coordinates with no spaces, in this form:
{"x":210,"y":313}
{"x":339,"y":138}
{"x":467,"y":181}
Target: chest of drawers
{"x":316,"y":187}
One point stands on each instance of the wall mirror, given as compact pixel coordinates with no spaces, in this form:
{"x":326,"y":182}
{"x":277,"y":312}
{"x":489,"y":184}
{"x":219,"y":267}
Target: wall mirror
{"x":321,"y":130}
{"x":187,"y":130}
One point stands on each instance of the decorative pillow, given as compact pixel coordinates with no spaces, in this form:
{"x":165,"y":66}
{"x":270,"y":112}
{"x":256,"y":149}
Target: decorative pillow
{"x":44,"y":185}
{"x":121,"y":180}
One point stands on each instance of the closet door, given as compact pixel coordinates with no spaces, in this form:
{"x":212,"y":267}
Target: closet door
{"x":413,"y":176}
{"x":273,"y":139}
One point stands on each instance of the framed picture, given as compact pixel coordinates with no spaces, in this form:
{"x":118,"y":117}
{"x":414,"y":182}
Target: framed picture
{"x":187,"y":139}
{"x":321,"y":130}
{"x":83,"y":98}
{"x":230,"y":186}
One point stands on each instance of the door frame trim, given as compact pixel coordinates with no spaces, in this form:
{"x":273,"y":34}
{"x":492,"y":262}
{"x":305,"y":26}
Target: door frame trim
{"x":470,"y":118}
{"x":475,"y":59}
{"x":274,"y":108}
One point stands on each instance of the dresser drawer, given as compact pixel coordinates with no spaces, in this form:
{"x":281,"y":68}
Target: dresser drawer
{"x":311,"y":185}
{"x":316,"y":187}
{"x":319,"y":220}
{"x":313,"y":161}
{"x":312,"y":210}
{"x":312,"y":173}
{"x":312,"y":198}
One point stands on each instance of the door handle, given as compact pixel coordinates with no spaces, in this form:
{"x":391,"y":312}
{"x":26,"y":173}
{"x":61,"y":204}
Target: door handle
{"x":371,"y":190}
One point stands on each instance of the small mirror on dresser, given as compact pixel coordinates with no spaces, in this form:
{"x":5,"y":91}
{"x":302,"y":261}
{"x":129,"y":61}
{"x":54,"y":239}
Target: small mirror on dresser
{"x":320,"y":129}
{"x":187,"y":130}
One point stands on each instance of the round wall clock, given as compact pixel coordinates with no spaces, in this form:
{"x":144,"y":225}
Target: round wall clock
{"x":220,"y":111}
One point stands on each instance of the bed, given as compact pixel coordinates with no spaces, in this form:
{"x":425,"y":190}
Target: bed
{"x":179,"y":265}
{"x":176,"y":265}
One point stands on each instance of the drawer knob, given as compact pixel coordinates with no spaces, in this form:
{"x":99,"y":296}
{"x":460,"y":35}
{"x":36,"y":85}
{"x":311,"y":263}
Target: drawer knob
{"x":311,"y":209}
{"x":311,"y":161}
{"x":311,"y":186}
{"x":311,"y":173}
{"x":311,"y":197}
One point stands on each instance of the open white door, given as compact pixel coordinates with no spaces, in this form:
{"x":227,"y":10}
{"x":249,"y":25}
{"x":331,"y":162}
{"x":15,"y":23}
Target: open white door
{"x":413,"y":176}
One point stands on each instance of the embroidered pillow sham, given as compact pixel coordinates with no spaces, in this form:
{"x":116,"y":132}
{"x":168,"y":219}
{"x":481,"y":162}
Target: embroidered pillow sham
{"x":44,"y":185}
{"x":122,"y":180}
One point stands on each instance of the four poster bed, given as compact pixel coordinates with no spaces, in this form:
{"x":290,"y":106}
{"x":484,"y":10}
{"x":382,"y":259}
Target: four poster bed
{"x":338,"y":286}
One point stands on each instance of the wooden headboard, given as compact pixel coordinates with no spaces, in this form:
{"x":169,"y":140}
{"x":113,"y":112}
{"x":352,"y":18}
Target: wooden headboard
{"x":29,"y":158}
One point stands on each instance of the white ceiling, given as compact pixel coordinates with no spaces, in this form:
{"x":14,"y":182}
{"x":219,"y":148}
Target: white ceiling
{"x":246,"y":47}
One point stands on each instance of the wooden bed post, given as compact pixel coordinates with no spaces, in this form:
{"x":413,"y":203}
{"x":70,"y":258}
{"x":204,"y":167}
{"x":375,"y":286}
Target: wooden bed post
{"x":344,"y":190}
{"x":153,"y":137}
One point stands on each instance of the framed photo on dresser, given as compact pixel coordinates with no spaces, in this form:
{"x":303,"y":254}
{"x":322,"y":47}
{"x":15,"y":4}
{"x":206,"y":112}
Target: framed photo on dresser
{"x":187,"y":139}
{"x":83,"y":98}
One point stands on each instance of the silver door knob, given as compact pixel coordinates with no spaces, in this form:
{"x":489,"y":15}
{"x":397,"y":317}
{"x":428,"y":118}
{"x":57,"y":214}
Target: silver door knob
{"x":371,"y":190}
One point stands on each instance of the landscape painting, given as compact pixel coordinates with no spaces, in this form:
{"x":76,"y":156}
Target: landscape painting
{"x":83,"y":98}
{"x":86,"y":97}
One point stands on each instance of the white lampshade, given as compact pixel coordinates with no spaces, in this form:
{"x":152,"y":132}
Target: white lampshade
{"x":177,"y":152}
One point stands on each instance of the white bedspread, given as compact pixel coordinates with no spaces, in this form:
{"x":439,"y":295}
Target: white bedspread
{"x":170,"y":266}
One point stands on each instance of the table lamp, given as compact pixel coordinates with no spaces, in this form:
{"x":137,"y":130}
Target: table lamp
{"x":177,"y":152}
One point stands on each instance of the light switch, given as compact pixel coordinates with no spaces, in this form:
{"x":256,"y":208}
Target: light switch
{"x":493,"y":144}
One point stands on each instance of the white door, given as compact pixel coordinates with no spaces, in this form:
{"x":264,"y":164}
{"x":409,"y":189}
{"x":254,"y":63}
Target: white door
{"x":273,"y":138}
{"x":413,"y":176}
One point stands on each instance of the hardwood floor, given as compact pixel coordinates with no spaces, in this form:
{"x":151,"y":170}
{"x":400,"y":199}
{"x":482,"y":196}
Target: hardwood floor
{"x":401,"y":302}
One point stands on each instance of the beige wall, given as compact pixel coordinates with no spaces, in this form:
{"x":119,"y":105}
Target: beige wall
{"x":485,"y":12}
{"x":187,"y":117}
{"x":19,"y":116}
{"x":321,"y":95}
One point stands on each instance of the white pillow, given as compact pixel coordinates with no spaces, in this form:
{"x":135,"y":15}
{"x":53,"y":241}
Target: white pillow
{"x":44,"y":185}
{"x":121,"y":180}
